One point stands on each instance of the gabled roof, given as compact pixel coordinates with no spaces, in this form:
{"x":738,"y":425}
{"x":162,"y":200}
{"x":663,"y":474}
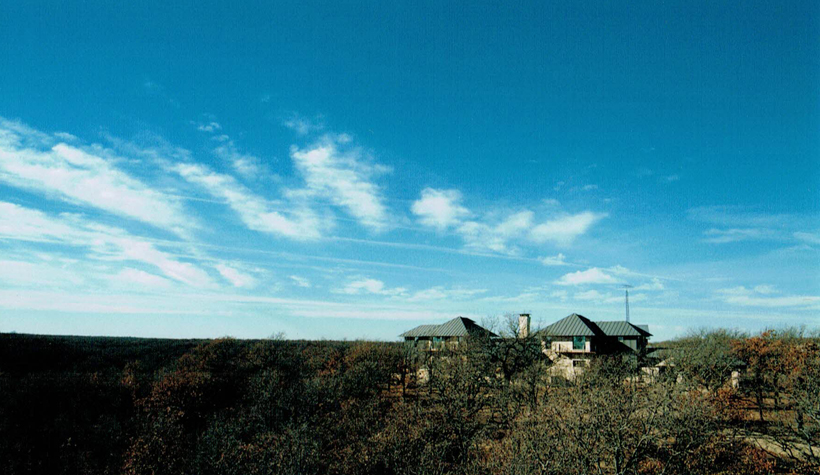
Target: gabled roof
{"x":622,"y":328}
{"x":459,"y":326}
{"x":573,"y":325}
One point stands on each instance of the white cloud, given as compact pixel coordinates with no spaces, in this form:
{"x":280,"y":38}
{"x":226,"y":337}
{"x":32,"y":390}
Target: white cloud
{"x":441,"y":293}
{"x":723,"y":236}
{"x":22,"y":273}
{"x":495,"y":238}
{"x":499,"y":230}
{"x":810,"y":238}
{"x":300,"y":281}
{"x":246,"y":165}
{"x":565,"y":229}
{"x":209,"y":127}
{"x":235,"y":277}
{"x":142,"y":251}
{"x":344,"y":178}
{"x":32,"y":160}
{"x":520,"y":298}
{"x":589,"y":187}
{"x":17,"y":222}
{"x":369,"y":286}
{"x":23,"y":223}
{"x":759,"y":297}
{"x":656,"y":284}
{"x":301,"y":225}
{"x":765,"y":289}
{"x":141,"y":278}
{"x":66,"y":137}
{"x":439,"y":208}
{"x":302,"y":125}
{"x":593,"y":275}
{"x":556,"y":260}
{"x":737,"y":217}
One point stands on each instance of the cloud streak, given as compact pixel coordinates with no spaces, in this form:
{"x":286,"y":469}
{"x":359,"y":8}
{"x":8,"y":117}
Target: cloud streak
{"x":91,"y":177}
{"x":105,"y":242}
{"x":343,"y":175}
{"x":302,"y":224}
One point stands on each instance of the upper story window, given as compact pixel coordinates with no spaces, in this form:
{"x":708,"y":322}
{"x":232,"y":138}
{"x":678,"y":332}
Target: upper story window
{"x":579,"y":342}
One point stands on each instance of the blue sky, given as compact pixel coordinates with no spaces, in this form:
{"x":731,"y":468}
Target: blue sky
{"x":353,"y":169}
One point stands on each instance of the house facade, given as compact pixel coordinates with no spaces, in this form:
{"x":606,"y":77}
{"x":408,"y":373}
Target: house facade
{"x":572,"y":341}
{"x":448,"y":336}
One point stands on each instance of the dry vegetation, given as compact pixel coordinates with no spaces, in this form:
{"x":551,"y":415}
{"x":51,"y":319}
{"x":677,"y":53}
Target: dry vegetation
{"x":111,"y":406}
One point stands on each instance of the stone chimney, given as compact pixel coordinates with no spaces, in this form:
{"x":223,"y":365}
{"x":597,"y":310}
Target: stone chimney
{"x":524,"y":325}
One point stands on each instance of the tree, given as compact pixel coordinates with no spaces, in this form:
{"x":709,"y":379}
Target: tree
{"x":705,"y":358}
{"x":799,"y":434}
{"x":761,"y":355}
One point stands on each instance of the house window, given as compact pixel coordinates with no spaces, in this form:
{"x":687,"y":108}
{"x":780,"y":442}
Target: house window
{"x":579,"y":342}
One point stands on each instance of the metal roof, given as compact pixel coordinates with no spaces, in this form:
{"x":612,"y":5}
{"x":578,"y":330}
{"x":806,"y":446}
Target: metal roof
{"x":420,"y":330}
{"x":573,"y":325}
{"x":459,"y":326}
{"x":622,"y":328}
{"x":578,"y":325}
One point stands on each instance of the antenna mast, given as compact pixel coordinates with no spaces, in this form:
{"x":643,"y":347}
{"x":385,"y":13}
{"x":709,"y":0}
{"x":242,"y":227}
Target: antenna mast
{"x":626,"y":300}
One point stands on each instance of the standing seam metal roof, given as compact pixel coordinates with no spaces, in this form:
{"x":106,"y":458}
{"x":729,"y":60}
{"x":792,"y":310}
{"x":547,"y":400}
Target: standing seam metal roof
{"x":459,"y":326}
{"x":573,"y":325}
{"x":622,"y":328}
{"x":578,"y":325}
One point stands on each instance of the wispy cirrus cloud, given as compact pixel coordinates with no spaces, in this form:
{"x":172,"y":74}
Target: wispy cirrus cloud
{"x":563,"y":230}
{"x":300,"y":224}
{"x":246,"y":165}
{"x":367,"y":285}
{"x":723,"y":236}
{"x":441,"y":293}
{"x":556,"y":260}
{"x":808,"y":238}
{"x":301,"y":281}
{"x":105,"y":243}
{"x":343,"y":174}
{"x":496,"y":236}
{"x":89,"y":176}
{"x":236,"y":277}
{"x":765,"y":296}
{"x":730,"y":224}
{"x":303,"y":125}
{"x":654,"y":284}
{"x":135,"y":277}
